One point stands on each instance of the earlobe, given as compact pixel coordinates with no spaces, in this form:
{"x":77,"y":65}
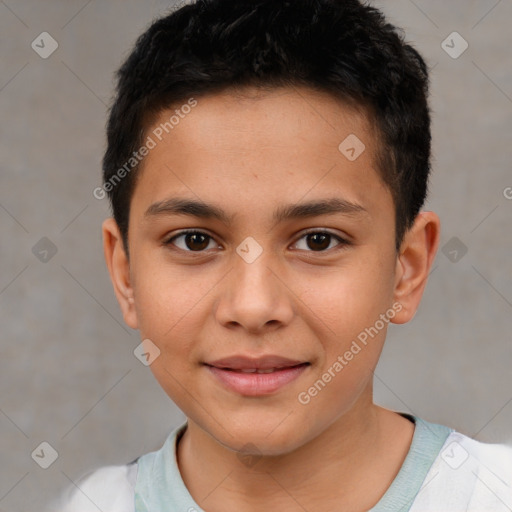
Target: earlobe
{"x":119,"y":270}
{"x":415,"y":259}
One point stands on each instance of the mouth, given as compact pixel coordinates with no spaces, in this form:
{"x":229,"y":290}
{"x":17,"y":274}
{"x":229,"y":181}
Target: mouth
{"x":258,"y":370}
{"x":251,"y":364}
{"x":256,"y":381}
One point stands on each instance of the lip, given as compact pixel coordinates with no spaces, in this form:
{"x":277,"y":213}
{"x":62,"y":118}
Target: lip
{"x":241,"y":362}
{"x":256,"y":384}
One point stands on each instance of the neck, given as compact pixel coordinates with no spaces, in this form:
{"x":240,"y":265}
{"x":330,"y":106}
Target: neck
{"x":351,"y":463}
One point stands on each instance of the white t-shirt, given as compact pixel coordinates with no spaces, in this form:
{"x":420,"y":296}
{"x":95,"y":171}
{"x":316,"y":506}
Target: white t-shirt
{"x":444,"y":471}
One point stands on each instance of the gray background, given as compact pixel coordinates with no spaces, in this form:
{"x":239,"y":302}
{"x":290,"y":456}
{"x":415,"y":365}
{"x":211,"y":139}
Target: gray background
{"x":68,"y":374}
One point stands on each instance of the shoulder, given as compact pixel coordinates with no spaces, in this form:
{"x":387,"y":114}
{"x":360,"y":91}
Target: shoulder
{"x":459,"y":449}
{"x":468,"y":475}
{"x":109,"y":488}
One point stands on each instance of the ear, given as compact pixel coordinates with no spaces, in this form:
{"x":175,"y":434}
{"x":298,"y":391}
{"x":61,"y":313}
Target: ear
{"x":414,"y":261}
{"x":119,"y":269}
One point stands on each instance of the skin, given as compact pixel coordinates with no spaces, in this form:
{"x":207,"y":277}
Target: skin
{"x":249,"y":154}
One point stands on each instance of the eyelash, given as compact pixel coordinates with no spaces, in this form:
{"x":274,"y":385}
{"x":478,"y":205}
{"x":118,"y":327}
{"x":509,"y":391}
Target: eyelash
{"x":342,"y":241}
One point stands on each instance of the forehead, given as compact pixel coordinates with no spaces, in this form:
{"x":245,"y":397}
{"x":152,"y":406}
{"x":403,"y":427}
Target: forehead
{"x":248,"y":117}
{"x":251,"y":147}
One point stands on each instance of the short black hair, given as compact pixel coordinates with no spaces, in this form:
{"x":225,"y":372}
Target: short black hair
{"x":343,"y":47}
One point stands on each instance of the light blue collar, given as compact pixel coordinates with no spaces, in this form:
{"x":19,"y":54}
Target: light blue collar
{"x":160,"y":487}
{"x":427,"y":441}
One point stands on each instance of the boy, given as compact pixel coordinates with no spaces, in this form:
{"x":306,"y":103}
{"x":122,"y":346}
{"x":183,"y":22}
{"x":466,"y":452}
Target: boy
{"x":243,"y":134}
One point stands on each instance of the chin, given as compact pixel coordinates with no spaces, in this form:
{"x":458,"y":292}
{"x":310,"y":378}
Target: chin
{"x":250,"y":440}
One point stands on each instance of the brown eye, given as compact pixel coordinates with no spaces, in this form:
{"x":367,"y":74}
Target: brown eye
{"x":320,"y":241}
{"x":194,"y":241}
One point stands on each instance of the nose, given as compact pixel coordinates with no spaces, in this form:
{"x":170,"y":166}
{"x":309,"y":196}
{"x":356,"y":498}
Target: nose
{"x":255,"y":296}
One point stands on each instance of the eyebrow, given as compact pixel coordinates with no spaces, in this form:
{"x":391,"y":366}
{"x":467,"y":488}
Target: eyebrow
{"x":200,"y":209}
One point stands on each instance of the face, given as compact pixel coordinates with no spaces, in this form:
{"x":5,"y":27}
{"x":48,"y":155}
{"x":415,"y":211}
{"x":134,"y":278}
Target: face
{"x":290,"y":253}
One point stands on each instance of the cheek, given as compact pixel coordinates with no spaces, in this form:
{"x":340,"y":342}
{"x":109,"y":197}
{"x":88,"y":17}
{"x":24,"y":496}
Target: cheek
{"x":165,"y":300}
{"x":168,"y":312}
{"x":349,"y":299}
